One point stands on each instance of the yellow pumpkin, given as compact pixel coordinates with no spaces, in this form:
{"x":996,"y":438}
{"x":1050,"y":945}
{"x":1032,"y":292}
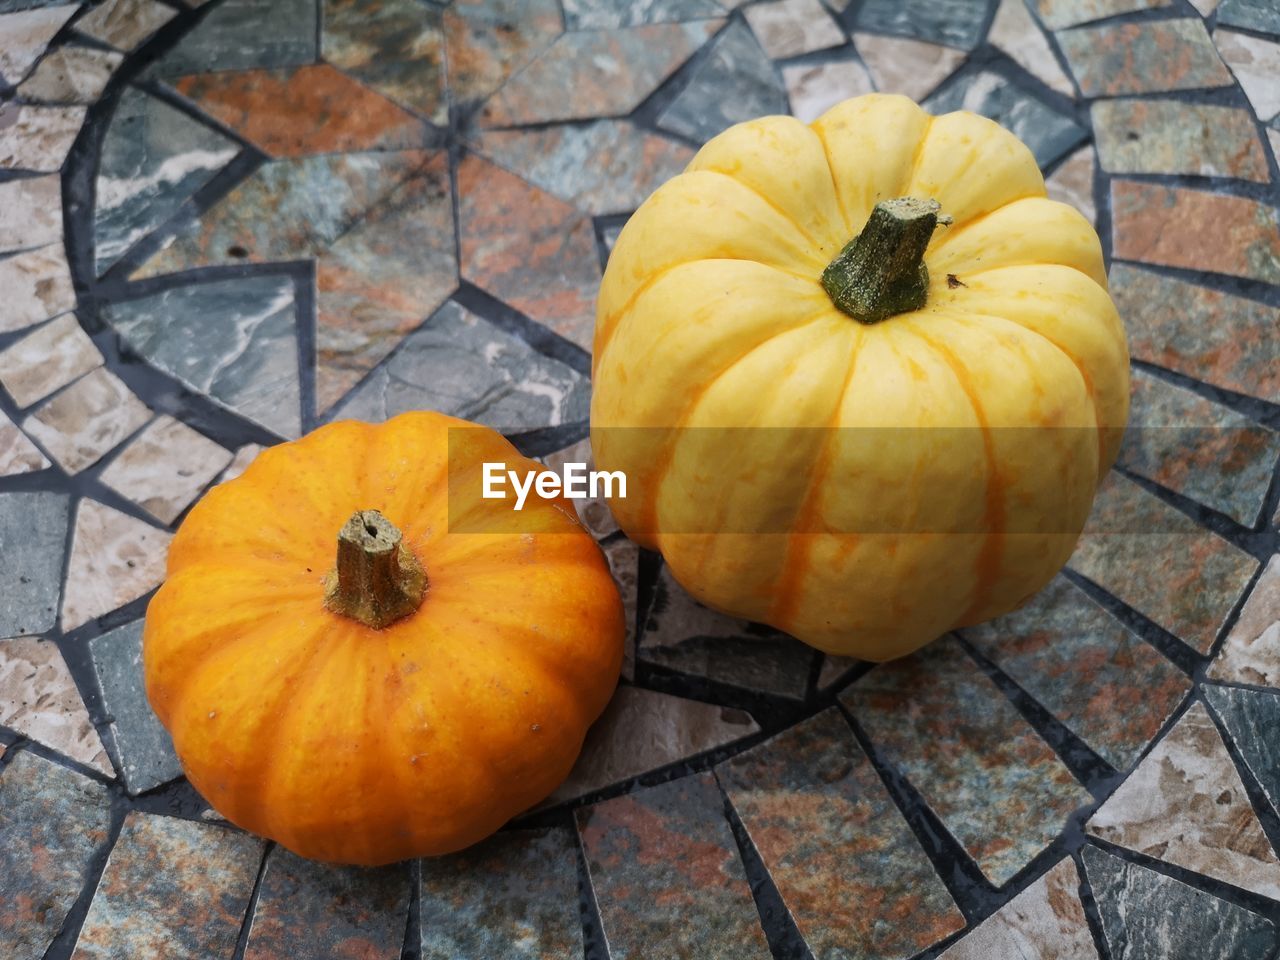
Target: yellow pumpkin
{"x":361,"y":658}
{"x":862,"y":376}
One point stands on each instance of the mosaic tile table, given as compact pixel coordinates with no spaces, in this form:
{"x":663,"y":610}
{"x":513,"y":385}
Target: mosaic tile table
{"x":225,"y":224}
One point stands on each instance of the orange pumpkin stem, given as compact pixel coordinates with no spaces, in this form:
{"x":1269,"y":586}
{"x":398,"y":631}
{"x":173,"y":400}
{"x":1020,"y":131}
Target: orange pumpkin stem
{"x":377,"y":580}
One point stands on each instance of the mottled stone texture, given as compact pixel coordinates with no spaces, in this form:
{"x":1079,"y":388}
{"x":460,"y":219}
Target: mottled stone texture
{"x":1170,"y":136}
{"x":1015,"y":33}
{"x":71,"y":75}
{"x":17,"y":453}
{"x":814,"y":88}
{"x":1072,"y":182}
{"x":124,"y":24}
{"x":1255,"y":63}
{"x":484,"y":46}
{"x":667,"y":876}
{"x":87,"y":420}
{"x":1057,"y":14}
{"x":1251,"y":718}
{"x":37,"y":138}
{"x":242,"y":34}
{"x":24,"y":36}
{"x":1251,"y":652}
{"x":957,"y":23}
{"x":1143,"y":57}
{"x":514,"y":896}
{"x":597,"y":14}
{"x":52,"y":821}
{"x":46,"y":360}
{"x":37,"y":285}
{"x":165,"y":467}
{"x":31,"y":574}
{"x":788,"y":28}
{"x":910,"y":67}
{"x":834,"y":843}
{"x":30,"y":212}
{"x":1252,"y":14}
{"x":114,"y":559}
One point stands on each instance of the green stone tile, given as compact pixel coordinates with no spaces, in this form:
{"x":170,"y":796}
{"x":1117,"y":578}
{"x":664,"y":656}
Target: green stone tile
{"x":1172,"y":136}
{"x":1148,"y":56}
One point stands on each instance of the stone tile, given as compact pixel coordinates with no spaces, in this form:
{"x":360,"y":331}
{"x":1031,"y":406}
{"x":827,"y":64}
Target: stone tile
{"x":37,"y":138}
{"x":514,"y":895}
{"x":462,"y":365}
{"x":1256,"y":64}
{"x":301,"y":111}
{"x":642,"y":730}
{"x":624,"y":564}
{"x":487,"y":41}
{"x":240,"y":462}
{"x":596,"y":73}
{"x":172,"y":889}
{"x":834,"y":842}
{"x":1273,"y":137}
{"x":1047,"y":132}
{"x":1172,"y":136}
{"x":1045,"y":920}
{"x":47,"y":360}
{"x":24,"y":35}
{"x":244,"y":34}
{"x":17,"y":453}
{"x":1144,"y":57}
{"x":1072,"y":182}
{"x":33,"y":532}
{"x":667,"y":876}
{"x":37,"y":285}
{"x":232,"y":340}
{"x":309,"y":909}
{"x":1185,"y":804}
{"x":833,"y":668}
{"x":1260,"y":15}
{"x":734,"y":82}
{"x":1056,"y":14}
{"x":1160,"y":562}
{"x":1250,"y":718}
{"x":71,"y":74}
{"x":605,"y":166}
{"x":609,"y":14}
{"x":594,"y":512}
{"x":910,"y":67}
{"x":1205,"y":7}
{"x":1251,"y":652}
{"x":1174,"y":227}
{"x":1199,"y":448}
{"x":1148,"y":916}
{"x":528,"y":248}
{"x":681,"y":634}
{"x":154,"y":158}
{"x":52,"y":823}
{"x":39,"y":699}
{"x":1214,"y":336}
{"x":165,"y":467}
{"x":956,"y":23}
{"x":395,"y":47}
{"x":1104,"y":683}
{"x":813,"y":88}
{"x":140,"y":745}
{"x":999,"y":788}
{"x":87,"y":420}
{"x":788,"y":28}
{"x":114,"y":559}
{"x":1015,"y":33}
{"x":30,"y":212}
{"x":124,"y":24}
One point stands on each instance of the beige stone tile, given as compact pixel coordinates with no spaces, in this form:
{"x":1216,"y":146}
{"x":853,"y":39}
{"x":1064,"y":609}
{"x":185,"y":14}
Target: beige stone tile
{"x":1256,"y":64}
{"x":47,"y":359}
{"x":910,"y":67}
{"x":1072,"y":182}
{"x":165,"y":467}
{"x":17,"y":453}
{"x":37,"y":138}
{"x":71,"y":75}
{"x":788,"y":28}
{"x":114,"y":559}
{"x":37,"y":285}
{"x":1014,"y":32}
{"x":124,"y":24}
{"x":24,"y":36}
{"x":30,"y":212}
{"x":87,"y":420}
{"x":1251,"y":652}
{"x":240,"y":462}
{"x":814,"y":88}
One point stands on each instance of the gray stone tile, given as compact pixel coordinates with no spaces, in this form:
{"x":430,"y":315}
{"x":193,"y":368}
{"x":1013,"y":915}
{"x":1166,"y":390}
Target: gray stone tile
{"x":37,"y":285}
{"x":1260,"y":15}
{"x":87,"y":420}
{"x":241,"y":34}
{"x":956,"y":23}
{"x":124,"y":24}
{"x":17,"y":453}
{"x":913,"y":68}
{"x":46,"y":360}
{"x":33,"y":540}
{"x":165,"y":467}
{"x":1147,"y":56}
{"x":1251,"y":652}
{"x":1251,"y":718}
{"x":114,"y":559}
{"x":24,"y":36}
{"x":1057,"y":14}
{"x":71,"y":74}
{"x":30,"y":212}
{"x":607,"y":14}
{"x":37,"y":138}
{"x":1172,"y":136}
{"x":788,"y":28}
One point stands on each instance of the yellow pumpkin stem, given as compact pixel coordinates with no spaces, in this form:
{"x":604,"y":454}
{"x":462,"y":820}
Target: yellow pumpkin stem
{"x":377,"y":579}
{"x":881,"y":271}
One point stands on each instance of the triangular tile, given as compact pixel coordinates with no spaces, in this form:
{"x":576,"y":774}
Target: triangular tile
{"x":17,"y":453}
{"x":25,"y":35}
{"x":483,"y":50}
{"x":1252,"y":718}
{"x":1014,"y":32}
{"x":1251,"y":652}
{"x":114,"y":559}
{"x":71,"y":74}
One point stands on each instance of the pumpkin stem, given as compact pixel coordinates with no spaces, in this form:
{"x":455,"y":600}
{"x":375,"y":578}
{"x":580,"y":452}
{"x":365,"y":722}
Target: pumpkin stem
{"x":881,"y":271}
{"x":377,"y":580}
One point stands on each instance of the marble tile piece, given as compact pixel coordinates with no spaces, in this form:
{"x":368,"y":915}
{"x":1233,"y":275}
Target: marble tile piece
{"x":154,"y":158}
{"x":46,"y":360}
{"x":39,"y":699}
{"x":514,"y":895}
{"x":1195,"y":230}
{"x":37,"y":285}
{"x":30,"y":212}
{"x":1148,"y":916}
{"x":37,"y":138}
{"x":1047,"y":132}
{"x":310,"y":909}
{"x":1224,"y":339}
{"x":604,"y":166}
{"x":1256,"y":64}
{"x":1045,"y":920}
{"x":1185,"y":804}
{"x":114,"y":559}
{"x":52,"y":822}
{"x":1260,"y":15}
{"x":913,"y":68}
{"x":240,"y":462}
{"x":165,"y":467}
{"x":395,"y":47}
{"x":1250,"y":718}
{"x":246,"y":34}
{"x":171,"y":890}
{"x":24,"y":35}
{"x":528,"y":248}
{"x":624,"y":564}
{"x":87,"y":420}
{"x":1175,"y":137}
{"x":462,"y":365}
{"x":1072,"y":182}
{"x":124,"y":24}
{"x":17,"y":453}
{"x":33,"y":542}
{"x":594,"y":512}
{"x":1150,"y":56}
{"x":834,"y":842}
{"x":1251,"y":651}
{"x":1199,"y":448}
{"x":642,"y":730}
{"x":667,"y":875}
{"x":955,"y":23}
{"x":610,"y":14}
{"x":71,"y":74}
{"x":735,"y":82}
{"x":682,"y":635}
{"x":1205,"y":7}
{"x":997,"y":787}
{"x":813,"y":88}
{"x":788,"y":28}
{"x":1160,"y":562}
{"x":1015,"y":33}
{"x":1104,"y":683}
{"x":487,"y":41}
{"x":595,"y":73}
{"x":232,"y":340}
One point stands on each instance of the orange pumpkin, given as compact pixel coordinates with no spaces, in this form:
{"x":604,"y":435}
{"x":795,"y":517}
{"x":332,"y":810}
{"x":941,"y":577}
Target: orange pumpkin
{"x":401,"y":690}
